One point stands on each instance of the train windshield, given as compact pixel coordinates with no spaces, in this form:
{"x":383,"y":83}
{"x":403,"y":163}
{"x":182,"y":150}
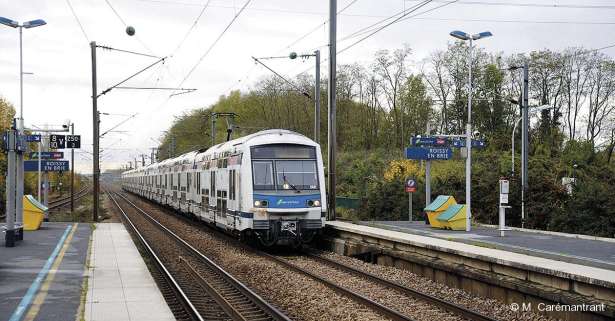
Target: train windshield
{"x":284,"y":167}
{"x":296,"y":174}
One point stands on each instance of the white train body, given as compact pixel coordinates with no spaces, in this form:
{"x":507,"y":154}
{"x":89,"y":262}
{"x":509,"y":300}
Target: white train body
{"x":269,"y":185}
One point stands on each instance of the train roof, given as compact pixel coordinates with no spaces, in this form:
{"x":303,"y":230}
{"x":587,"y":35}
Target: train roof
{"x":190,"y":157}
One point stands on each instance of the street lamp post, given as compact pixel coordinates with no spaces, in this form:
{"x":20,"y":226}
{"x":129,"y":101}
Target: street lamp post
{"x":465,"y":36}
{"x":20,"y":127}
{"x":524,"y":169}
{"x":316,"y":54}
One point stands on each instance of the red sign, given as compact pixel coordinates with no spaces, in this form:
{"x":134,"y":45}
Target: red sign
{"x":410,"y":186}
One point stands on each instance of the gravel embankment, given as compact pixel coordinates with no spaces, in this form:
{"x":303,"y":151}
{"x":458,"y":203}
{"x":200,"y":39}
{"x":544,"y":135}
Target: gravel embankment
{"x":300,"y":297}
{"x":303,"y":298}
{"x":486,"y":306}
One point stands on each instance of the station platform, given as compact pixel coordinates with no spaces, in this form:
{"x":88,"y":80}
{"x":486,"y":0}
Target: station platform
{"x":78,"y":271}
{"x":520,"y":268}
{"x":120,"y":285}
{"x":572,"y":248}
{"x":41,"y":277}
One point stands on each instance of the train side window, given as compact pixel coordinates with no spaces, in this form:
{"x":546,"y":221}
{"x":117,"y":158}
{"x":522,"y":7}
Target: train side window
{"x":231,"y":184}
{"x":198,"y":183}
{"x":188,"y":182}
{"x":213,"y":183}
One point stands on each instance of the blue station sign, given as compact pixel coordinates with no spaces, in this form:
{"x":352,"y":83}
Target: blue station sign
{"x":46,"y":165}
{"x":476,"y":143}
{"x":47,"y":155}
{"x":429,"y":141}
{"x":446,"y":142}
{"x":33,"y":138}
{"x":429,"y":153}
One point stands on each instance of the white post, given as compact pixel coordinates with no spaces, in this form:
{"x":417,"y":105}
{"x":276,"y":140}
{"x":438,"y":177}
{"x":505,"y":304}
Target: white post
{"x":410,"y":207}
{"x":428,"y":174}
{"x":20,"y":127}
{"x":502,"y":219}
{"x":512,"y":140}
{"x":469,"y":145}
{"x":40,"y":143}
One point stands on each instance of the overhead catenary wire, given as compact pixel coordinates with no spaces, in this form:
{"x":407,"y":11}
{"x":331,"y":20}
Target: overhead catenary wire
{"x":126,"y":51}
{"x":535,"y":5}
{"x":72,"y":10}
{"x":284,"y":79}
{"x":400,"y":18}
{"x":214,"y":43}
{"x":196,"y":21}
{"x":132,"y":76}
{"x":126,"y":25}
{"x":294,"y":42}
{"x":317,"y":27}
{"x":374,"y":28}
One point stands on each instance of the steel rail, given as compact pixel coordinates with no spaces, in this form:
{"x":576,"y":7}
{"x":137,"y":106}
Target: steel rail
{"x":257,"y":300}
{"x":451,"y":307}
{"x":379,"y":308}
{"x":59,"y":202}
{"x":216,"y":295}
{"x":448,"y":306}
{"x":184,"y":300}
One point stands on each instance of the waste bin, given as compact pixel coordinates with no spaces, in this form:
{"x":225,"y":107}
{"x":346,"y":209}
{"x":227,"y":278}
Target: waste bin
{"x":437,"y":207}
{"x":33,"y":213}
{"x":454,"y":218}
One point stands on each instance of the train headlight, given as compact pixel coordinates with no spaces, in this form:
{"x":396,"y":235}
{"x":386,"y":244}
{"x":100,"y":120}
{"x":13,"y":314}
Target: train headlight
{"x":286,"y":186}
{"x":313,"y":203}
{"x":317,"y":203}
{"x":259,"y":203}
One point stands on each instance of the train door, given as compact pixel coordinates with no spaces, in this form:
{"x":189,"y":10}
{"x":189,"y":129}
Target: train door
{"x":232,"y":198}
{"x":221,"y":197}
{"x":212,"y":196}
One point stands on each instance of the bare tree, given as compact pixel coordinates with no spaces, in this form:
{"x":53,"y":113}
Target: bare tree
{"x":601,"y":88}
{"x":575,"y":87}
{"x":440,"y":84}
{"x":392,"y":69}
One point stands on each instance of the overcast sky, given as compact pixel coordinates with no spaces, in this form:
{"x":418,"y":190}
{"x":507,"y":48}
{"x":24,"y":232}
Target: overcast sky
{"x":58,"y":54}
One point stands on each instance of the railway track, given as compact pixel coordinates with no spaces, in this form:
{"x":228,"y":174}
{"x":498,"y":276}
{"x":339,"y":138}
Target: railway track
{"x":388,"y":299}
{"x":203,"y":290}
{"x":402,"y":289}
{"x":59,"y":202}
{"x":401,"y":303}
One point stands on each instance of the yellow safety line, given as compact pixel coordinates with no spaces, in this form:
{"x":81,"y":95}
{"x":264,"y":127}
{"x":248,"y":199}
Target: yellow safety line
{"x":42,"y":293}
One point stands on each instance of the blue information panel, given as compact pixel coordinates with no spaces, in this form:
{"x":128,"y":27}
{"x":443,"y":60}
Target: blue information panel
{"x":33,"y":138}
{"x":476,"y":143}
{"x":46,"y":165}
{"x":446,"y":142}
{"x":429,"y":141}
{"x":47,"y":155}
{"x":429,"y":153}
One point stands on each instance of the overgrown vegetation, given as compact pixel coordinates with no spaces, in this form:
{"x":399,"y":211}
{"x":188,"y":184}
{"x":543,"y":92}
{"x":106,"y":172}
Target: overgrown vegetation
{"x":381,"y":105}
{"x":60,"y":182}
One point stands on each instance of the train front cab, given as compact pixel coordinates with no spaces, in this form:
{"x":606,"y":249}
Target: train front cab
{"x":287,"y":193}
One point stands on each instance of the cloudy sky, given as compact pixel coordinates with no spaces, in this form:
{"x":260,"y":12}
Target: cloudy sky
{"x":58,"y":54}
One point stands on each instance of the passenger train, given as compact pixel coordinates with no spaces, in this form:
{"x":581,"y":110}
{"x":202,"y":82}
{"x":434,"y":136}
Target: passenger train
{"x":267,"y":186}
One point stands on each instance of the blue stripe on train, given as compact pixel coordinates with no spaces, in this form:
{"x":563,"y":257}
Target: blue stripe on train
{"x":287,"y":201}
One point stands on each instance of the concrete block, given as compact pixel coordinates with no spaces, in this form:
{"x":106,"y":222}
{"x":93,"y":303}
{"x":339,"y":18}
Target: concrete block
{"x":510,"y":271}
{"x":477,"y":264}
{"x":385,"y":260}
{"x":440,"y":276}
{"x":498,"y":293}
{"x":480,"y":288}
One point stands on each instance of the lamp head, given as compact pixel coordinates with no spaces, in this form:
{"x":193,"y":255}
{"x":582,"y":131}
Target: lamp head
{"x":460,"y":35}
{"x":34,"y":23}
{"x":481,"y":35}
{"x":9,"y":22}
